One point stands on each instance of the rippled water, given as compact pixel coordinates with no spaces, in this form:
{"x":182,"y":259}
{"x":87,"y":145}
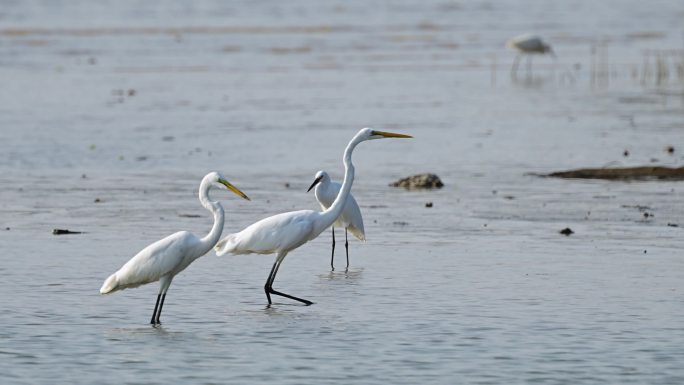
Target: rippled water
{"x":112,"y":112}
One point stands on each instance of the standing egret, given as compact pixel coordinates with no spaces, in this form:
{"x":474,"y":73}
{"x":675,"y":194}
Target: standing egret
{"x":528,"y":45}
{"x":351,"y":219}
{"x":285,"y":232}
{"x":163,"y":259}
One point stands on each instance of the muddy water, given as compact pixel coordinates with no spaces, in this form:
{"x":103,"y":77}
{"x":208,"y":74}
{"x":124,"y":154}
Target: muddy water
{"x":112,"y":113}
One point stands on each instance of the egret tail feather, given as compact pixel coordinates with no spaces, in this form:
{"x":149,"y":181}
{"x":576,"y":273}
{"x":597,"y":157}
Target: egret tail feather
{"x":224,"y":245}
{"x":110,"y":285}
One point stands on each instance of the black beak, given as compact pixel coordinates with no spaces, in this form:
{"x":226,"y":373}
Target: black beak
{"x":315,"y":182}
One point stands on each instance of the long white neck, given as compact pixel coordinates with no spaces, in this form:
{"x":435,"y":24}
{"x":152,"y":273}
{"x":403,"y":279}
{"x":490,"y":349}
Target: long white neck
{"x":210,"y":240}
{"x":330,"y":215}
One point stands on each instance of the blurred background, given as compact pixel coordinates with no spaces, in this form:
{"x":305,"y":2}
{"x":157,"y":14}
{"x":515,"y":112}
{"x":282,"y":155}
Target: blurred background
{"x":112,"y":111}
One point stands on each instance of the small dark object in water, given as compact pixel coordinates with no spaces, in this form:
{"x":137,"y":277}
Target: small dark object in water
{"x":669,"y":224}
{"x":669,"y":149}
{"x":628,"y":173}
{"x":64,"y":231}
{"x":8,"y":229}
{"x":97,"y":200}
{"x":646,"y":215}
{"x":566,"y":231}
{"x":428,"y":204}
{"x":189,"y":215}
{"x":287,"y":185}
{"x":509,"y":197}
{"x":625,"y":153}
{"x":419,"y":181}
{"x":400,"y":223}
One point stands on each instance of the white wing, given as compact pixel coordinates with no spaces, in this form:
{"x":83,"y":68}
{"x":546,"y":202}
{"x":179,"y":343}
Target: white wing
{"x":351,"y":217}
{"x":527,"y":43}
{"x":169,"y":255}
{"x":285,"y":231}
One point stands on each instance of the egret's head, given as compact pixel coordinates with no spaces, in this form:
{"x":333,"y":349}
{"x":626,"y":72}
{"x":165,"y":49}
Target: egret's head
{"x":370,"y":134}
{"x":218,"y":180}
{"x":321,"y":177}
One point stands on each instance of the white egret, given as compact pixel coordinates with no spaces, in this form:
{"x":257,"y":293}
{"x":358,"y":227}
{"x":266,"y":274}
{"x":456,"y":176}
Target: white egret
{"x":285,"y":232}
{"x":350,"y":219}
{"x":528,"y":44}
{"x":163,"y":259}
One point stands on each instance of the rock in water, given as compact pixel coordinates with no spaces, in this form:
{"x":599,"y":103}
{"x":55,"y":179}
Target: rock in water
{"x":427,"y":181}
{"x":567,"y":231}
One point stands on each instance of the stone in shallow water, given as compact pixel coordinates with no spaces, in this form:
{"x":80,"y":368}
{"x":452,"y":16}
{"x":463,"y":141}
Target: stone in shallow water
{"x":419,"y":181}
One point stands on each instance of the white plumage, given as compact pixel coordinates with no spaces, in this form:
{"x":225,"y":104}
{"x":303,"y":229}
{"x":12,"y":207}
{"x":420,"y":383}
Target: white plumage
{"x":351,"y":219}
{"x":165,"y":258}
{"x":285,"y":232}
{"x":528,"y":44}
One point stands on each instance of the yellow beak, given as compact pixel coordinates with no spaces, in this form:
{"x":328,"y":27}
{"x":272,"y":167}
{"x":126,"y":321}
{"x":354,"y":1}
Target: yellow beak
{"x":391,"y":134}
{"x":233,"y":189}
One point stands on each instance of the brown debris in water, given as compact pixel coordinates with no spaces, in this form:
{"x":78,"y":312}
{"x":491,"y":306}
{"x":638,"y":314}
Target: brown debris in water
{"x":64,"y":232}
{"x":419,"y":181}
{"x":627,"y":173}
{"x":567,"y":231}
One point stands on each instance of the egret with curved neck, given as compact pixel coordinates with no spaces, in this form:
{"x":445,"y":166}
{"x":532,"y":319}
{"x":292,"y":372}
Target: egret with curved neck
{"x":163,"y":259}
{"x":285,"y":232}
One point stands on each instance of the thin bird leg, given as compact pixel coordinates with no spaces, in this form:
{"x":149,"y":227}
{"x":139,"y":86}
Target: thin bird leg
{"x":269,"y":281}
{"x":156,"y":306}
{"x":277,"y":266}
{"x":160,"y":308}
{"x":529,"y":65}
{"x":514,"y":68}
{"x":346,"y":247}
{"x":332,"y":257}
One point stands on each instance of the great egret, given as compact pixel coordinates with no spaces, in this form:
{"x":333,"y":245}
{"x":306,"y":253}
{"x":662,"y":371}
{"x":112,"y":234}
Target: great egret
{"x":285,"y":232}
{"x":163,"y":259}
{"x":527,"y":45}
{"x":351,"y":219}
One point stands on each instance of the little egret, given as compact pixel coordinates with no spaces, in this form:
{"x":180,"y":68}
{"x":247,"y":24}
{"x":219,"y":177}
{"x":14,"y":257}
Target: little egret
{"x":163,"y":259}
{"x":285,"y":232}
{"x":350,"y":219}
{"x":527,"y":45}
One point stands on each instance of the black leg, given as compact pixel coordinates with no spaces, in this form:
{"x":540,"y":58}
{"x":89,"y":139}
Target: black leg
{"x":269,"y":286}
{"x":156,"y":306}
{"x":346,"y":247}
{"x":161,"y":304}
{"x":292,"y":297}
{"x":332,"y":256}
{"x":269,"y":281}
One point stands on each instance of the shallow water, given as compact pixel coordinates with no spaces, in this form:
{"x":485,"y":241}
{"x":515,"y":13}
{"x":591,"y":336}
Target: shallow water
{"x":132,"y":104}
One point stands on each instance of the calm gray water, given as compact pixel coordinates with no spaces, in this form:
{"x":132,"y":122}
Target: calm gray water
{"x":131,"y":103}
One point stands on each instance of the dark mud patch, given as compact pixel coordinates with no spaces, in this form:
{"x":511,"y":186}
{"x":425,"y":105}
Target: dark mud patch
{"x":65,"y":232}
{"x":627,"y":173}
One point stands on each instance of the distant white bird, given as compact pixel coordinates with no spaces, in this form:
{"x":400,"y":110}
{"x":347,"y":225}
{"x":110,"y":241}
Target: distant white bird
{"x":163,"y":259}
{"x":527,"y":45}
{"x":284,"y":232}
{"x":326,"y":191}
